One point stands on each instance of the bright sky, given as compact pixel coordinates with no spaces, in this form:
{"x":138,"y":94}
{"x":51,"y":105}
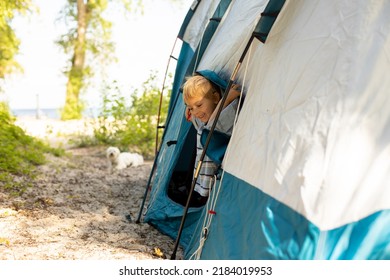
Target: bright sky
{"x":143,"y":43}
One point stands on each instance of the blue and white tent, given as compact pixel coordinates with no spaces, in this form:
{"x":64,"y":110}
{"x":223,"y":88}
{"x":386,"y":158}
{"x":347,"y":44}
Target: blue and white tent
{"x":307,"y":172}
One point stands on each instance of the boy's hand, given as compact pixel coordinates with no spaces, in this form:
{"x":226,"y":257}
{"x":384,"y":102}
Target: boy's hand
{"x":188,"y":114}
{"x":233,"y":93}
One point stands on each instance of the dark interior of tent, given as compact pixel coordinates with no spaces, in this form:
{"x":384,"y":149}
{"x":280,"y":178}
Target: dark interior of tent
{"x":181,"y":179}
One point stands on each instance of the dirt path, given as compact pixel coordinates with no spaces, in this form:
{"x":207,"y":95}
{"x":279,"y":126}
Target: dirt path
{"x":76,"y":210}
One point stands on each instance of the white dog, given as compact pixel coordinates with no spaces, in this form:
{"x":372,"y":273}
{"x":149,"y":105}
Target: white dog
{"x":120,"y":160}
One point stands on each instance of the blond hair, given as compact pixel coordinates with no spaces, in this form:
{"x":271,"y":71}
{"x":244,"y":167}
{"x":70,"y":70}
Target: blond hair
{"x":198,"y":86}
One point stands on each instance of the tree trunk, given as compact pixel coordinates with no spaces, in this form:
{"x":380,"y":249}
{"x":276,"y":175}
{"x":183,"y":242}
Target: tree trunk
{"x":73,"y":107}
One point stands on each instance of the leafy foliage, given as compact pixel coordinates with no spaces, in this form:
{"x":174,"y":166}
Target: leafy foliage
{"x":130,"y":124}
{"x":141,"y":127}
{"x":9,"y":43}
{"x":19,"y":153}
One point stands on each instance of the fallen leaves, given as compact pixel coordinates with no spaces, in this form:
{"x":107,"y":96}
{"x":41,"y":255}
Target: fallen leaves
{"x":159,"y":253}
{"x":4,"y":241}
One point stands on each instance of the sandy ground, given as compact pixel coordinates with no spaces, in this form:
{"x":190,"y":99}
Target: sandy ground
{"x":78,"y":210}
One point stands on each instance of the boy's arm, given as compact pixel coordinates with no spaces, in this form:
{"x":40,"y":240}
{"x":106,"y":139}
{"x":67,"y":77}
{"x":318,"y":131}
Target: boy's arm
{"x":232,"y":95}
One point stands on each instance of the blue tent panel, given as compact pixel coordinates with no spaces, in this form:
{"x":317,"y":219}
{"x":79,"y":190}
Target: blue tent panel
{"x":253,"y":225}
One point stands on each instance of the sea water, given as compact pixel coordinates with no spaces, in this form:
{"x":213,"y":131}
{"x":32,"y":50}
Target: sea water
{"x":50,"y":113}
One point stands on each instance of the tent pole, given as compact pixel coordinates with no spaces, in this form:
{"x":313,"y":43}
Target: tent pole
{"x":146,"y":190}
{"x":232,"y":78}
{"x":155,"y":163}
{"x":157,"y":146}
{"x":161,"y":98}
{"x":196,"y":174}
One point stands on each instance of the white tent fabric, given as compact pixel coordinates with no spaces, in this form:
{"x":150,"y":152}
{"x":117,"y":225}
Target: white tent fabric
{"x":230,"y":39}
{"x":316,"y":114}
{"x":198,"y":24}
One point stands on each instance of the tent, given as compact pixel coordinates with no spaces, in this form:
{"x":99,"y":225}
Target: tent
{"x":306,"y":172}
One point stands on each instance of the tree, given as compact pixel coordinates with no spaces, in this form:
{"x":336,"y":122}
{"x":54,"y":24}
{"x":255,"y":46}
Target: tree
{"x":9,"y":43}
{"x":89,"y":35}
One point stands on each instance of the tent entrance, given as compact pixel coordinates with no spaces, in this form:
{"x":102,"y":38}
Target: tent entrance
{"x":182,"y":175}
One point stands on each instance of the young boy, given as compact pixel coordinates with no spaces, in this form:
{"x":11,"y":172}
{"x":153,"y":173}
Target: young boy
{"x":202,"y":99}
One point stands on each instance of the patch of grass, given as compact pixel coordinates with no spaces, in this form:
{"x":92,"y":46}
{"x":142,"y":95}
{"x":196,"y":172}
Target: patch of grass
{"x":19,"y":154}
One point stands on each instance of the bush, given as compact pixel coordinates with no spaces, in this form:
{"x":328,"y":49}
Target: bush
{"x":130,"y":124}
{"x":19,"y":153}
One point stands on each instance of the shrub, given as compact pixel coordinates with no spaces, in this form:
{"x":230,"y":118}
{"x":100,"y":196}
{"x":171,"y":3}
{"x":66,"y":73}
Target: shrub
{"x":19,"y":153}
{"x":130,"y":124}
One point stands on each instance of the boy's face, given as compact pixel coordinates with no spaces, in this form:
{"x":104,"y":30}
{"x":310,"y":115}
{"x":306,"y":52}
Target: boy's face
{"x":202,"y":107}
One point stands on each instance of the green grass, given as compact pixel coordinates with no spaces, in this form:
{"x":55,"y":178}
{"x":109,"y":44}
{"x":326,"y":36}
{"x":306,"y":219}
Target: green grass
{"x":19,"y":154}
